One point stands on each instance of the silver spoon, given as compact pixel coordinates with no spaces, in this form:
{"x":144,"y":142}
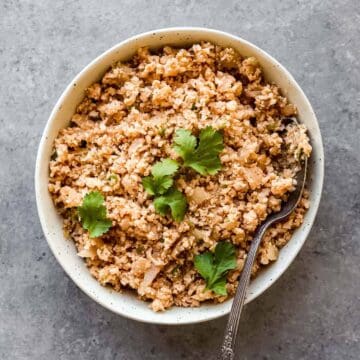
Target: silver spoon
{"x":228,"y":346}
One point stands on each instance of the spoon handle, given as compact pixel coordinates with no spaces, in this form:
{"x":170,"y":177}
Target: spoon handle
{"x":228,"y":347}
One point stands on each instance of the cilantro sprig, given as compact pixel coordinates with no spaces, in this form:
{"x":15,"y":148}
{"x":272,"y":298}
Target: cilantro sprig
{"x":160,"y":185}
{"x":175,"y":201}
{"x":92,"y":214}
{"x":201,"y":154}
{"x":213,"y":267}
{"x":161,"y":177}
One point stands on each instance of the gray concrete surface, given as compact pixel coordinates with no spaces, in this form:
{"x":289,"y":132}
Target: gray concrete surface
{"x":312,"y":312}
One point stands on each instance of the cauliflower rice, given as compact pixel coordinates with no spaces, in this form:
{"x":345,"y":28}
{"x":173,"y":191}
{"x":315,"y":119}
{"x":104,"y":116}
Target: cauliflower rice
{"x":126,"y":122}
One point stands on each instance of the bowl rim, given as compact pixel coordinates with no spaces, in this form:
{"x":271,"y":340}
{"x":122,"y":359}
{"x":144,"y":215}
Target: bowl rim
{"x":116,"y":48}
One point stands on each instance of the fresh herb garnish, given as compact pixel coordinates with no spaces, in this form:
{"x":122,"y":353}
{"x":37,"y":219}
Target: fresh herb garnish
{"x":213,"y":267}
{"x":160,"y":184}
{"x":201,"y":154}
{"x":161,"y":177}
{"x":92,"y":214}
{"x":173,"y":201}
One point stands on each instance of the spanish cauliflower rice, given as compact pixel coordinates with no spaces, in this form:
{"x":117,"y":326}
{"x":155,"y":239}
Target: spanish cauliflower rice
{"x":127,"y":122}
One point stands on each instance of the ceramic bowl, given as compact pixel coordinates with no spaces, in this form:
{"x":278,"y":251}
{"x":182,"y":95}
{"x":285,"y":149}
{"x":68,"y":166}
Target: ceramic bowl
{"x":126,"y":304}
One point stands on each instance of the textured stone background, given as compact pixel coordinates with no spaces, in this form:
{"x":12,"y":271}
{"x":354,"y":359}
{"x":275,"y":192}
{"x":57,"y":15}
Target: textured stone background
{"x":312,"y":312}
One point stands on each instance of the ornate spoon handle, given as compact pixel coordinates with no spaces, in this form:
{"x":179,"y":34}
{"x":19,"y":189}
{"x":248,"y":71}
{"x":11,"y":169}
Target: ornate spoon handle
{"x":228,"y":346}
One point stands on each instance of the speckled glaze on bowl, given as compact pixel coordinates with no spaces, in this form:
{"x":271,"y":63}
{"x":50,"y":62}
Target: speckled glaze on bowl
{"x":126,"y":304}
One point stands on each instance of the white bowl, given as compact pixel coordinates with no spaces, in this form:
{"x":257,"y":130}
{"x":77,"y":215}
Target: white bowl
{"x":127,"y":304}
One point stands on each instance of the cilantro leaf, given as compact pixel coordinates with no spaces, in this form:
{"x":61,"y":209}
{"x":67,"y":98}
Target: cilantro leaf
{"x":202,"y":155}
{"x":225,"y":256}
{"x":160,"y":183}
{"x":173,"y":200}
{"x":213,"y":267}
{"x":185,"y":143}
{"x":219,"y":286}
{"x":164,"y":167}
{"x":157,"y":186}
{"x":204,"y":264}
{"x":92,"y":214}
{"x":160,"y":180}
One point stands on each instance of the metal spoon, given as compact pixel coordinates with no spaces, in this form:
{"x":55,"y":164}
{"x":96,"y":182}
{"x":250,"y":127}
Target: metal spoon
{"x":229,"y":342}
